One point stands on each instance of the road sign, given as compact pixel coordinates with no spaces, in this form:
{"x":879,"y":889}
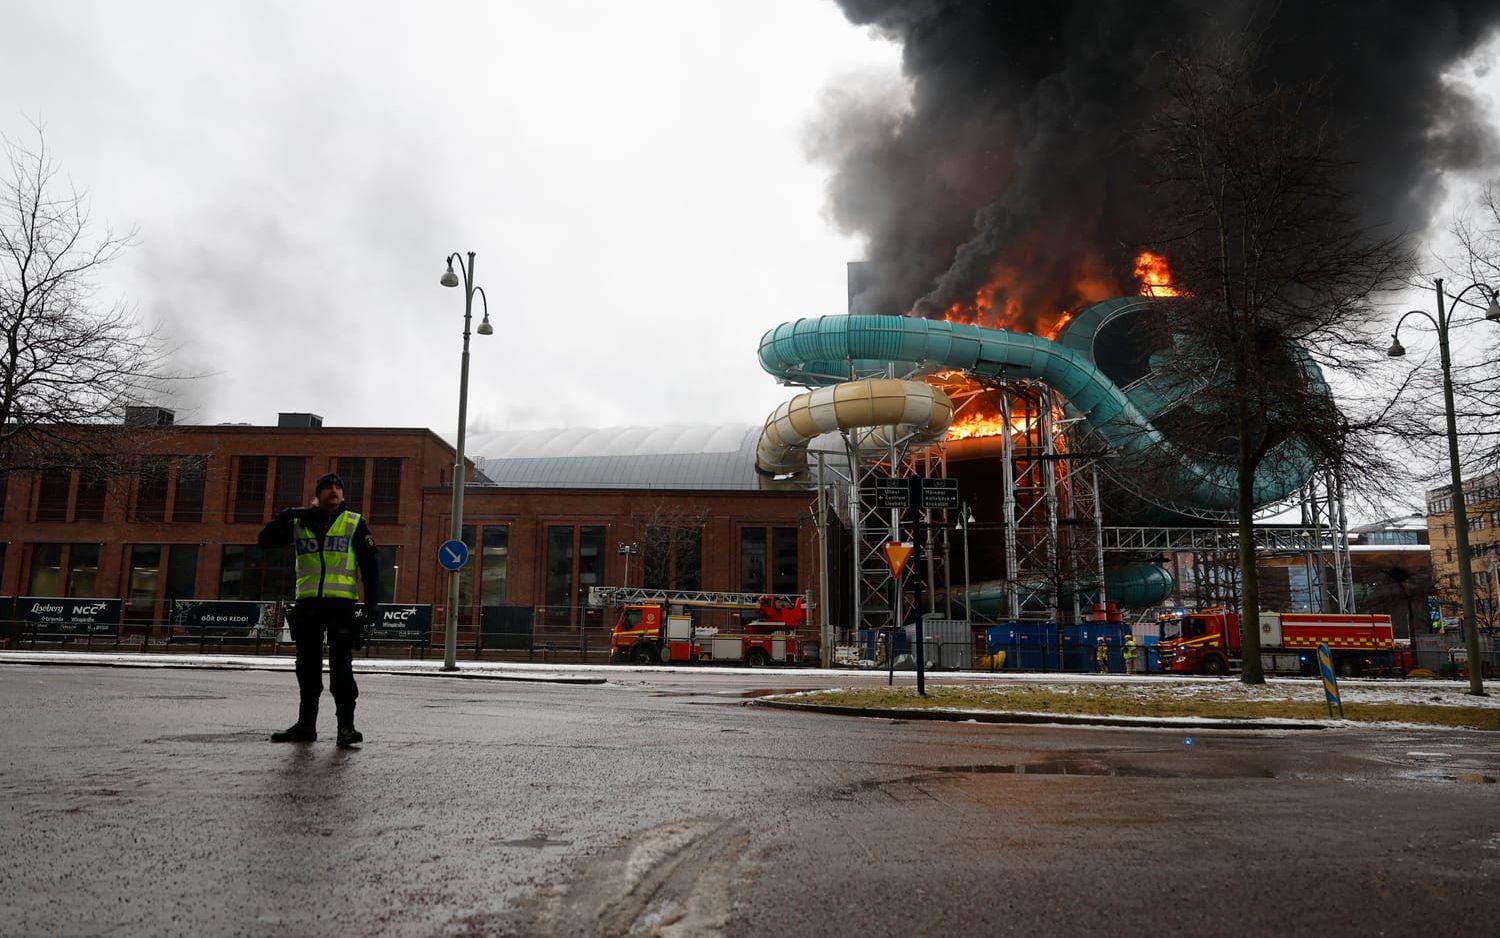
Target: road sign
{"x":1330,"y":680}
{"x":896,"y":556}
{"x":453,"y":554}
{"x":939,"y":493}
{"x":891,"y":493}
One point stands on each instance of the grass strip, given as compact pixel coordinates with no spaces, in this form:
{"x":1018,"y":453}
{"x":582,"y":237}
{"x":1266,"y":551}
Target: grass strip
{"x":1145,"y":702}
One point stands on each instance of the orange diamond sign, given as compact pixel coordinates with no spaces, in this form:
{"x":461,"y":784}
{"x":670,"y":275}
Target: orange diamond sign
{"x":896,"y":555}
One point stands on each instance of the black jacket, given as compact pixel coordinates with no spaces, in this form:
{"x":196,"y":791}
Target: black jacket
{"x":279,"y":534}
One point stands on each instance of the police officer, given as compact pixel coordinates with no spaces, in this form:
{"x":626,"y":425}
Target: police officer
{"x":330,"y":542}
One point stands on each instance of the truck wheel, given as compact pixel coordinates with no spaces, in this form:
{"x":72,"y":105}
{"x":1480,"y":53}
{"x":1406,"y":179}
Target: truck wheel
{"x":618,"y":657}
{"x":665,"y":655}
{"x":643,"y":654}
{"x":757,"y":658}
{"x":1213,"y":666}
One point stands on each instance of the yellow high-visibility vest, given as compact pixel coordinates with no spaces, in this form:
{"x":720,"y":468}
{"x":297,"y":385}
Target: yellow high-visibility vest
{"x":326,"y":569}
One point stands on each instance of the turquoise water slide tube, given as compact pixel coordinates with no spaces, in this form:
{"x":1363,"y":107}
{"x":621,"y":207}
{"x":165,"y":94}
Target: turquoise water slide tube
{"x":828,"y":349}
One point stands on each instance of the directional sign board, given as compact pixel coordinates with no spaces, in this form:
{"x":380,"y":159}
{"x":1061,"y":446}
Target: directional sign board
{"x":453,"y":554}
{"x":1330,"y":680}
{"x":940,"y":493}
{"x":891,"y":493}
{"x":896,"y":556}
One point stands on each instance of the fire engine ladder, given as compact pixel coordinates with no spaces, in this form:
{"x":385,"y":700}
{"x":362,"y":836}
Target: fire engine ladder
{"x":627,"y":595}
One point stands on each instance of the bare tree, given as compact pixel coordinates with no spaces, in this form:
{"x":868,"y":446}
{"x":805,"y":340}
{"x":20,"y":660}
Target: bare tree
{"x":1281,"y":268}
{"x":67,"y":360}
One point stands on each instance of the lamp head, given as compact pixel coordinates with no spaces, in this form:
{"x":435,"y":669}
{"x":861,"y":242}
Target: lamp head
{"x":1493,"y":312}
{"x":484,"y":326}
{"x":1396,"y":350}
{"x":449,"y":279}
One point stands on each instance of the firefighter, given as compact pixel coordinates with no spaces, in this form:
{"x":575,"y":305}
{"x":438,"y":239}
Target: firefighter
{"x":330,"y":542}
{"x":1132,"y":654}
{"x":1101,"y":655}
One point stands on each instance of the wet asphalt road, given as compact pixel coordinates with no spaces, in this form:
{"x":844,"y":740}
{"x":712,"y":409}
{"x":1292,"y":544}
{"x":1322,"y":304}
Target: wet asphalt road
{"x":149,"y":803}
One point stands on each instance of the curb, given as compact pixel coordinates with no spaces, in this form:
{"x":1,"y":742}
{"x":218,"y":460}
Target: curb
{"x":1065,"y":719}
{"x":201,"y":666}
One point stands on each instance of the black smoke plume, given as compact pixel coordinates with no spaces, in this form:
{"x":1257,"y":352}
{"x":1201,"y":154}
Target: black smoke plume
{"x":1018,"y":164}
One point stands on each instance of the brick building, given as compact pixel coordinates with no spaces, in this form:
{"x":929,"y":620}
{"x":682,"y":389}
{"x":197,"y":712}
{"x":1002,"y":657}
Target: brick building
{"x":551,"y":514}
{"x":1482,"y":506}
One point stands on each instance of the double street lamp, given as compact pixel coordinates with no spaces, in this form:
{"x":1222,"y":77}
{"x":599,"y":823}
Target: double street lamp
{"x":1442,"y":323}
{"x":450,"y":279}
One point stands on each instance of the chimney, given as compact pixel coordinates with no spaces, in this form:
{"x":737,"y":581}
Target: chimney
{"x":148,"y":417}
{"x":301,"y":421}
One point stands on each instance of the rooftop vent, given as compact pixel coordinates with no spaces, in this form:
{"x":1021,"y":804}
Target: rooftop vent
{"x":303,"y":421}
{"x":148,"y":417}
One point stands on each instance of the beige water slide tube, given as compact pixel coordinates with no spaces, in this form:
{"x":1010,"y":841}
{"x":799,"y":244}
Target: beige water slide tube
{"x":911,"y":406}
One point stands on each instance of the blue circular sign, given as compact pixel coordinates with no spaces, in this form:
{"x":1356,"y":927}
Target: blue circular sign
{"x":453,"y":554}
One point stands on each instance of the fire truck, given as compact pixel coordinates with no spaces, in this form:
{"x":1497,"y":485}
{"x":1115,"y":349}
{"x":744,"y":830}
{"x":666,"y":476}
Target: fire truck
{"x":1208,"y":642}
{"x":660,"y":626}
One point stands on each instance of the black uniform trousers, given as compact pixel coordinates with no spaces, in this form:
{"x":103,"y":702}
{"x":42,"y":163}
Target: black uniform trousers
{"x":308,"y":629}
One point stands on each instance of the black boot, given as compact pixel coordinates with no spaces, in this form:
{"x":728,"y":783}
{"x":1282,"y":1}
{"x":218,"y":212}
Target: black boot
{"x":349,"y":737}
{"x":296,"y":733}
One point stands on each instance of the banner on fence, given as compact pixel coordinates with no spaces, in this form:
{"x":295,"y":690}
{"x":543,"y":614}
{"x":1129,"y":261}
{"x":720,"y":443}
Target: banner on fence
{"x":225,"y":617}
{"x":402,"y":623}
{"x":506,"y":626}
{"x":71,"y":616}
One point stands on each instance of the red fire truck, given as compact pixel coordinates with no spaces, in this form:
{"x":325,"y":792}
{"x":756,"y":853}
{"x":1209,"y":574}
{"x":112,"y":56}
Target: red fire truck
{"x":1208,"y":642}
{"x":657,"y":626}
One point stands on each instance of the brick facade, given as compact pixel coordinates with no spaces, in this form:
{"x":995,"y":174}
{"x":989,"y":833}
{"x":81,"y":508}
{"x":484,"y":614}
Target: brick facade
{"x":243,"y":467}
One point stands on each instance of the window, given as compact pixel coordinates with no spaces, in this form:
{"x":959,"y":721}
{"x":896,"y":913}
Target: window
{"x":559,"y":587}
{"x":673,"y":558}
{"x":182,"y":571}
{"x":251,"y":573}
{"x":145,"y":576}
{"x":291,"y":476}
{"x":590,"y":561}
{"x":52,"y":498}
{"x":390,"y":570}
{"x":46,"y":570}
{"x":187,"y":500}
{"x":468,"y":577}
{"x":250,"y":489}
{"x":784,"y":560}
{"x":385,"y":492}
{"x":494,"y":562}
{"x":352,"y":470}
{"x":752,"y":560}
{"x":89,"y":504}
{"x":768,"y":560}
{"x":83,"y":570}
{"x":151,"y":491}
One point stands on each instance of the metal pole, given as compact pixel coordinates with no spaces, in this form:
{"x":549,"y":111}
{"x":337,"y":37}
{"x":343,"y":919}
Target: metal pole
{"x":825,"y":628}
{"x":968,"y":599}
{"x":1460,"y":514}
{"x":450,"y":640}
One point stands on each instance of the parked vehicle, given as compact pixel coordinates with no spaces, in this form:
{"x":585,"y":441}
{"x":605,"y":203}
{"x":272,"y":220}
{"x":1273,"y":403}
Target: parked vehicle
{"x":1209,"y":642}
{"x":659,"y":627}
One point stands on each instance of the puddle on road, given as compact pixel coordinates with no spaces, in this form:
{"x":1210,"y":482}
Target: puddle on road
{"x":1084,"y":767}
{"x":240,"y":737}
{"x":539,"y":842}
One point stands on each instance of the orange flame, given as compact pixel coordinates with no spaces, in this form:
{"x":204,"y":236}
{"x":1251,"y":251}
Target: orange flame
{"x":1155,"y":275}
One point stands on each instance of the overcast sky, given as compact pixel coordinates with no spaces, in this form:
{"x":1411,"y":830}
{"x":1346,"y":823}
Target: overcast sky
{"x":631,"y":175}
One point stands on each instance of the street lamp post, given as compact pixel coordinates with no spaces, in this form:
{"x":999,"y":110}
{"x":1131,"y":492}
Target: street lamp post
{"x":966,"y":518}
{"x":1442,"y":323}
{"x":450,"y":279}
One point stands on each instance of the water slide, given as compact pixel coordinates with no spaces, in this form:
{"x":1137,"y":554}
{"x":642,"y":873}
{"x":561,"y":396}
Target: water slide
{"x":825,"y":351}
{"x":822,"y":351}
